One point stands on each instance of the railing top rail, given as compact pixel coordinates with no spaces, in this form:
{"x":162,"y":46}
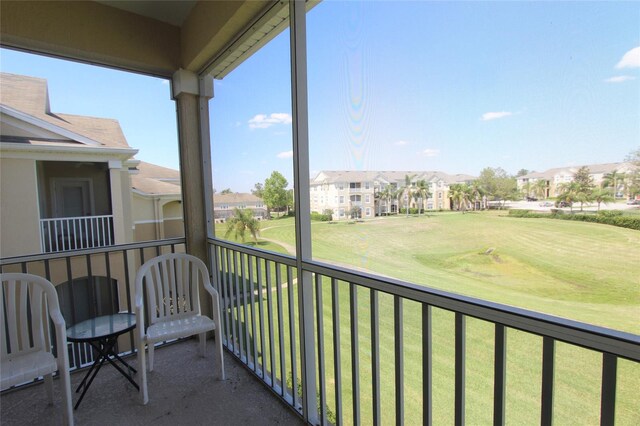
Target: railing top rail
{"x":623,"y":344}
{"x":50,"y":219}
{"x":63,"y":254}
{"x":275,"y":257}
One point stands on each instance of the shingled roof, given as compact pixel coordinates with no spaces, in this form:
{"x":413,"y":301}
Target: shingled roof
{"x":152,"y":179}
{"x":30,"y":96}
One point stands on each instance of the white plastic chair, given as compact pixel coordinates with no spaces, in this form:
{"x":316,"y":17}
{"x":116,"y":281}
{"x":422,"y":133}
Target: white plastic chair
{"x":172,"y":283}
{"x":27,"y":303}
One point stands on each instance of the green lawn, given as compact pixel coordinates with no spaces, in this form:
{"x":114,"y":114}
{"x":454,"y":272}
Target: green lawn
{"x":577,"y":270}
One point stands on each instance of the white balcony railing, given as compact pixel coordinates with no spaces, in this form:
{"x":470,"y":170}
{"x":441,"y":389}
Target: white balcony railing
{"x":76,"y":233}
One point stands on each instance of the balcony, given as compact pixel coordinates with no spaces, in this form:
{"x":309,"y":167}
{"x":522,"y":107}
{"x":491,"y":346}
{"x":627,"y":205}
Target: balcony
{"x":358,"y":357}
{"x":76,"y":233}
{"x":184,"y":395}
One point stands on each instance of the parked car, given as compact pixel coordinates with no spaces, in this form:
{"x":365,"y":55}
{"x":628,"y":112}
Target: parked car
{"x":546,"y":204}
{"x":532,"y":199}
{"x":563,"y":204}
{"x":633,"y":202}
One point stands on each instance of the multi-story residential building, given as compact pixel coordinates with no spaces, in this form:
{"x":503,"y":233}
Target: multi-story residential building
{"x":529,"y":183}
{"x":379,"y":192}
{"x":72,"y":182}
{"x":225,"y":204}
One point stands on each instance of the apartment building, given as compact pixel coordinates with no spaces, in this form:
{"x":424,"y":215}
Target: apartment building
{"x":225,"y":204}
{"x":560,"y":175}
{"x":380,"y":192}
{"x":71,"y":182}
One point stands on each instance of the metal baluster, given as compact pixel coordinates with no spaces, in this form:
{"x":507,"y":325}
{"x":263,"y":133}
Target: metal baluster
{"x":608,"y":395}
{"x":263,"y":345}
{"x":244,"y":307}
{"x":460,"y":344}
{"x":252,"y":306}
{"x":292,"y":335}
{"x":321,"y":367}
{"x":500,"y":373}
{"x":283,"y":372}
{"x":375,"y":357}
{"x":548,"y":351}
{"x":337,"y":360}
{"x":427,"y":374}
{"x":399,"y":357}
{"x":355,"y":352}
{"x":272,"y":351}
{"x":237,"y":318}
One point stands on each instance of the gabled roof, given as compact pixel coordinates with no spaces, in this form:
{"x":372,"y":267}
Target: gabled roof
{"x":336,"y":176}
{"x":238,"y":197}
{"x":152,"y":179}
{"x":27,"y":99}
{"x":593,"y":169}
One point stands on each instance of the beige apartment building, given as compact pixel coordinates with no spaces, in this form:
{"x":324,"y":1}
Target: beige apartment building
{"x":225,"y":204}
{"x":340,"y":191}
{"x":560,"y":175}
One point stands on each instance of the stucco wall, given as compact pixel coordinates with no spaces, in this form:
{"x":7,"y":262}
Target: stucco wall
{"x":19,"y":211}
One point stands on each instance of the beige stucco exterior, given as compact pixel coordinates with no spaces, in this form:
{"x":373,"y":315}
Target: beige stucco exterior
{"x":19,"y":212}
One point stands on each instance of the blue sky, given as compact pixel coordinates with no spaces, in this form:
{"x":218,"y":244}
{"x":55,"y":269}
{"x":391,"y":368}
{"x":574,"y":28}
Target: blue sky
{"x":451,"y":86}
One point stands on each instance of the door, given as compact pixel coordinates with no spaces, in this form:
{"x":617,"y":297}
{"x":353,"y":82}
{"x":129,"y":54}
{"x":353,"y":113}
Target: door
{"x":72,"y":198}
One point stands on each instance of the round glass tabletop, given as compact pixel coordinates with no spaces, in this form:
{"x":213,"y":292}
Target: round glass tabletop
{"x":102,"y":327}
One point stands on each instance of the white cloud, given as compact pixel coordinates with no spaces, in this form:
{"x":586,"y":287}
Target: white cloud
{"x":430,"y":152}
{"x":631,"y":59}
{"x":619,"y":79}
{"x":263,"y":121}
{"x":495,"y":115}
{"x":285,"y":154}
{"x":400,"y":143}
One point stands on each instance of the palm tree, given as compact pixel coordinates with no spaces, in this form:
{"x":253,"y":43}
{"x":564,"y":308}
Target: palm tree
{"x":422,"y":191}
{"x":602,"y":195}
{"x":407,"y":190}
{"x":613,"y":180}
{"x":477,"y":193}
{"x":386,"y":195}
{"x":241,"y":222}
{"x":460,"y":194}
{"x":568,"y":193}
{"x":540,"y":188}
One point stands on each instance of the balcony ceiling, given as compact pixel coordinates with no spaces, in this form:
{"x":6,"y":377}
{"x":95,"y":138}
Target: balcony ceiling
{"x":149,"y":37}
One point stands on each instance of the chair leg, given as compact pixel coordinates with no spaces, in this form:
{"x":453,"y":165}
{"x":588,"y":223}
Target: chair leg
{"x":48,"y":386}
{"x":142,"y":372}
{"x":151,"y":347}
{"x":218,"y":338}
{"x":203,"y":343}
{"x":65,"y":382}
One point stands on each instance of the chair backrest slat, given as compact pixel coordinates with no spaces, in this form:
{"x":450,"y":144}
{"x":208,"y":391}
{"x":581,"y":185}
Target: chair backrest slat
{"x":171,"y":283}
{"x":24,"y":314}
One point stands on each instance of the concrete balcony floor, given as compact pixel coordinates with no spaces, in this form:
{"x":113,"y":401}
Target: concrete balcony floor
{"x":183,"y":390}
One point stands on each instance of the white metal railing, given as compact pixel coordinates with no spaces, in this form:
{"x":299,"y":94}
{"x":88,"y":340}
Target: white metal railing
{"x":263,"y":326}
{"x":76,"y":233}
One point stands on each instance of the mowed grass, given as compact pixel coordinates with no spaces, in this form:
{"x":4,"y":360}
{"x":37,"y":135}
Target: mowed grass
{"x":577,"y":270}
{"x":583,"y":271}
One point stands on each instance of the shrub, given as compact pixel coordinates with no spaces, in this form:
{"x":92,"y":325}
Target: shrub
{"x":613,"y":218}
{"x":610,"y":213}
{"x":321,"y":217}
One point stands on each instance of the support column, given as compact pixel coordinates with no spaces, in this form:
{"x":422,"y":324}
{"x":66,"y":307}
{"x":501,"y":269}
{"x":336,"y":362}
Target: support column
{"x":297,"y":13}
{"x":118,"y":206}
{"x":192,"y":94}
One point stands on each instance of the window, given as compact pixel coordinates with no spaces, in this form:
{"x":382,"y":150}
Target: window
{"x":342,"y":199}
{"x":340,"y":186}
{"x":367,"y":211}
{"x":367,"y":199}
{"x":366,"y":185}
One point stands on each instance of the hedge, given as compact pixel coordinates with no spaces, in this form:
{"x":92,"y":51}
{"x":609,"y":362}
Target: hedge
{"x":606,"y":217}
{"x":321,"y":217}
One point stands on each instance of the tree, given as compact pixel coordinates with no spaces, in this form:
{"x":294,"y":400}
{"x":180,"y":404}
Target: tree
{"x":568,"y":194}
{"x":355,"y":212}
{"x":522,"y":172}
{"x":460,"y":194}
{"x":632,"y":181}
{"x":540,"y":188}
{"x":602,"y":195}
{"x":241,"y":222}
{"x":422,"y":192}
{"x":275,"y":193}
{"x":407,"y":190}
{"x":584,"y":186}
{"x":227,"y":191}
{"x":497,"y":184}
{"x":258,"y":190}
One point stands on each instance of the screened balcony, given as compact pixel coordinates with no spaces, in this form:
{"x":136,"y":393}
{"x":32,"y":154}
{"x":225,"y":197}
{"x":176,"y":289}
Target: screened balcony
{"x":307,"y":332}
